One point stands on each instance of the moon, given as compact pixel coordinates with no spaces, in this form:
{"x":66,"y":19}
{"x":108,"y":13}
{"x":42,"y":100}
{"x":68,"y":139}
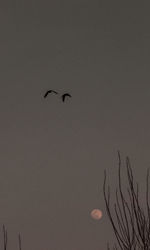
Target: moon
{"x":96,"y":214}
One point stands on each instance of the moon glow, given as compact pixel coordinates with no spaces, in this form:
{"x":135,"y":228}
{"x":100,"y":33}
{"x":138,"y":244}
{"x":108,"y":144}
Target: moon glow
{"x":96,"y":214}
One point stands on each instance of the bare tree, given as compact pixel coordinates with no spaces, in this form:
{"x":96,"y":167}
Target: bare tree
{"x":5,"y":241}
{"x":133,"y":225}
{"x":4,"y":238}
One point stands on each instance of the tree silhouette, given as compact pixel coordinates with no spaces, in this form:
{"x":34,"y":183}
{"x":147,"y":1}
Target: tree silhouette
{"x":132,"y":229}
{"x":5,"y":239}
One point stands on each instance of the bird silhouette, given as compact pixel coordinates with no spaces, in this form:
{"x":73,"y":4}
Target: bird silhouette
{"x":64,"y":96}
{"x":50,"y":91}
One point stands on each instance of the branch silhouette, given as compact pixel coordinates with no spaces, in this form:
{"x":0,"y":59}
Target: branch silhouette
{"x":132,"y":229}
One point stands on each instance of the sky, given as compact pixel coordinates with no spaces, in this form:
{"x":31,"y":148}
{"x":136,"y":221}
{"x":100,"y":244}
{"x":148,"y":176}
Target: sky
{"x":53,"y":154}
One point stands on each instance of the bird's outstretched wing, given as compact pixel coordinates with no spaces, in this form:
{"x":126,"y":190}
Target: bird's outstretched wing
{"x":50,"y":91}
{"x":64,"y":96}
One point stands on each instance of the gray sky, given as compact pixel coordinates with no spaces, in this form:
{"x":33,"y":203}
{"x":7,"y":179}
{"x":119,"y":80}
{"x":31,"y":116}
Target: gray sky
{"x":53,"y":154}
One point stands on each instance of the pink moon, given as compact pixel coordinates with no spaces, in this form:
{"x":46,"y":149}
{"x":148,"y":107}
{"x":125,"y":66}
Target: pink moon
{"x":96,"y":214}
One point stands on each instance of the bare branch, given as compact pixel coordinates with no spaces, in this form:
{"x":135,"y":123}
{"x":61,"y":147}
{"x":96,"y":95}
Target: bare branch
{"x":133,"y":231}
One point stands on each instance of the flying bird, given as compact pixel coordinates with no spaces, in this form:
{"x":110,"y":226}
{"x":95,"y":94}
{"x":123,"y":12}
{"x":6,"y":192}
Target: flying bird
{"x":50,"y":91}
{"x":64,"y":96}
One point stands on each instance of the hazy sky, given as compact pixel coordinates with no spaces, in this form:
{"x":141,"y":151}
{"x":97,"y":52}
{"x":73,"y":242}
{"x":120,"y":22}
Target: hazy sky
{"x":53,"y":154}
